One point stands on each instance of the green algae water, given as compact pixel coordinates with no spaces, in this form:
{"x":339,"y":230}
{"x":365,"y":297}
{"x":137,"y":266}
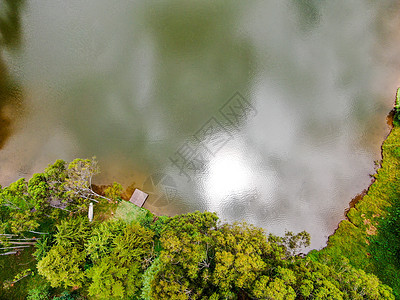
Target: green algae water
{"x":270,"y":112}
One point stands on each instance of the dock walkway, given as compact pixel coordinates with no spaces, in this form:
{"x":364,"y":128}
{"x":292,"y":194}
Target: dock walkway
{"x":138,"y":197}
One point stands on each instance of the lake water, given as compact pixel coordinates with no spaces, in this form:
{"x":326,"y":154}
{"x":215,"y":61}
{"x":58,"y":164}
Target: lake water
{"x":271,"y":112}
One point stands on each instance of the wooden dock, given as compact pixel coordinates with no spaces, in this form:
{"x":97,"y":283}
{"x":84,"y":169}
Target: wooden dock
{"x":138,"y":197}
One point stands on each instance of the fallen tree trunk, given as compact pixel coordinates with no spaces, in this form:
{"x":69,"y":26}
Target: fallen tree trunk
{"x":16,"y":247}
{"x":9,"y":253}
{"x":26,"y":239}
{"x":38,"y":232}
{"x":22,"y":243}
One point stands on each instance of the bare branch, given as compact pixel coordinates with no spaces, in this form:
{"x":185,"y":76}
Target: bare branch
{"x":38,"y":232}
{"x":9,"y":253}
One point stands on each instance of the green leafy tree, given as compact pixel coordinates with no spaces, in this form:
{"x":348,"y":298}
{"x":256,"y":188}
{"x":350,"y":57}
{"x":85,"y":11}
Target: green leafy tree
{"x":184,"y":262}
{"x":65,"y":186}
{"x":242,"y":254}
{"x":55,"y":176}
{"x":201,"y":259}
{"x":64,"y":264}
{"x":78,"y":183}
{"x":73,"y":232}
{"x":17,"y":214}
{"x":42,"y":247}
{"x":340,"y":281}
{"x":16,"y":196}
{"x":114,"y":191}
{"x":294,"y":242}
{"x":107,"y":279}
{"x":39,"y":191}
{"x":101,"y":242}
{"x":25,"y":208}
{"x":63,"y":267}
{"x":118,"y":271}
{"x":22,"y":221}
{"x":276,"y":289}
{"x":41,"y":292}
{"x":67,"y":295}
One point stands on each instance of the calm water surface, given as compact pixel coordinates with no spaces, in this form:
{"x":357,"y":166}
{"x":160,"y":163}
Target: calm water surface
{"x":271,"y":112}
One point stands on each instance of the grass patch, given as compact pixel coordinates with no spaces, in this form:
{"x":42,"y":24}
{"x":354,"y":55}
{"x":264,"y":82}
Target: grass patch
{"x":129,"y":212}
{"x":10,"y":266}
{"x":385,"y":248}
{"x":353,"y":236}
{"x":104,"y":210}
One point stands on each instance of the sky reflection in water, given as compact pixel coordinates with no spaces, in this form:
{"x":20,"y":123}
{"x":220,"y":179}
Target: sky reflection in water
{"x":132,"y":83}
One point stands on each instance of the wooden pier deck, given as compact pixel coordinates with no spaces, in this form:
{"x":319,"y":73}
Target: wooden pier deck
{"x":138,"y":197}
